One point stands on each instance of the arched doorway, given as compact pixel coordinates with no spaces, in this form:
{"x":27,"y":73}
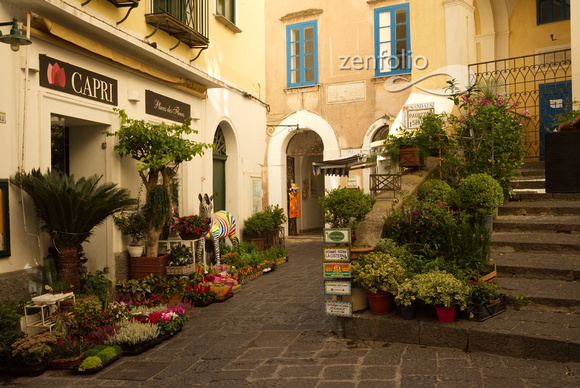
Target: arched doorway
{"x":304,"y":148}
{"x":219,"y":170}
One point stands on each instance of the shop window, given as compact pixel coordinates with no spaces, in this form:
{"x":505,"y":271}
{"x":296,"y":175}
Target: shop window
{"x":549,"y":11}
{"x":302,"y":54}
{"x":392,"y":40}
{"x":4,"y":220}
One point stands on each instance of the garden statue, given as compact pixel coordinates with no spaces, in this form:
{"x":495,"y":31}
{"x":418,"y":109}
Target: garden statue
{"x":222,"y":225}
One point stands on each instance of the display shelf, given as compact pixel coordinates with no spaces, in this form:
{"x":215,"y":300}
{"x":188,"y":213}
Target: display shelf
{"x":48,"y":304}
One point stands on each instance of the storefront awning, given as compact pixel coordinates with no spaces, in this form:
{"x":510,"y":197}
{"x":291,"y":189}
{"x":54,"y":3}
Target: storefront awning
{"x":342,"y":166}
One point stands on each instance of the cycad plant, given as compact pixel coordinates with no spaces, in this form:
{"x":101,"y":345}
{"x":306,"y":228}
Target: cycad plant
{"x":69,"y":210}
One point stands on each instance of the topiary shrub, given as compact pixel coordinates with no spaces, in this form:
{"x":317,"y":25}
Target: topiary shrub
{"x":480,"y":194}
{"x":437,"y":190}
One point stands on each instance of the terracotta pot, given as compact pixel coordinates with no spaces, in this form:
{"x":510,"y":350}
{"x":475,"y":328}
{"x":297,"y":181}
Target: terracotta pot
{"x":356,"y":252}
{"x":260,"y":242}
{"x":380,"y":302}
{"x":445,"y":314}
{"x":410,"y":157}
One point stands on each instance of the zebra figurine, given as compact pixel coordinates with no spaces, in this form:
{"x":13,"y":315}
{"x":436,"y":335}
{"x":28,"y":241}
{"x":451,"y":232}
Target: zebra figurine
{"x":222,"y":225}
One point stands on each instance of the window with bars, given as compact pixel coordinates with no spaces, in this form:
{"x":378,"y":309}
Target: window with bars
{"x":549,"y":11}
{"x":302,"y":54}
{"x":392,"y":40}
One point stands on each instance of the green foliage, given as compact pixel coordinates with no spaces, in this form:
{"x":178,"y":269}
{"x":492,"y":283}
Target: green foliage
{"x":346,"y":208}
{"x":442,"y":289}
{"x":407,"y":292}
{"x":97,"y":285}
{"x":90,"y":363}
{"x":277,"y":214}
{"x":70,"y":209}
{"x":132,"y":223}
{"x":134,"y":287}
{"x":568,"y":116}
{"x":107,"y":354}
{"x":439,"y":238}
{"x":180,"y":255}
{"x":482,"y":292}
{"x":490,"y":137}
{"x":480,"y":194}
{"x":258,"y":224}
{"x":10,"y":314}
{"x":378,"y":271}
{"x":437,"y":190}
{"x":88,"y":315}
{"x":132,"y":333}
{"x":158,"y":207}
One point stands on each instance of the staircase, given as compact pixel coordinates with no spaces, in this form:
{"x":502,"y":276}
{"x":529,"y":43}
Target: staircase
{"x":536,"y":245}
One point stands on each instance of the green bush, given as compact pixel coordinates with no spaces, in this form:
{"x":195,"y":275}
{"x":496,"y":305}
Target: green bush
{"x":480,"y":194}
{"x":277,"y":214}
{"x":107,"y":354}
{"x":378,"y":271}
{"x":346,"y":208}
{"x":97,"y":285}
{"x":437,"y":190}
{"x":90,"y":363}
{"x":258,"y":224}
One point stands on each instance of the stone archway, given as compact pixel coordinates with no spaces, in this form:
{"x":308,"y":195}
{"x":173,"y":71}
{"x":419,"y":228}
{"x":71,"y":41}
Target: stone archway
{"x":278,"y":145}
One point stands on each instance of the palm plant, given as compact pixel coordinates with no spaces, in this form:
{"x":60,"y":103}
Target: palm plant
{"x":69,"y":210}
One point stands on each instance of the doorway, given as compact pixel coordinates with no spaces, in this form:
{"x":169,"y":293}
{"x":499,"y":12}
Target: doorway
{"x":555,"y":98}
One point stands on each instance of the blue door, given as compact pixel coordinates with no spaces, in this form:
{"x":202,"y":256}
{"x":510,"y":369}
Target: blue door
{"x":555,"y":98}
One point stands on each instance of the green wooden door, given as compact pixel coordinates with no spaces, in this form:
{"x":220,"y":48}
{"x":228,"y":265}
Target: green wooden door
{"x":219,"y":182}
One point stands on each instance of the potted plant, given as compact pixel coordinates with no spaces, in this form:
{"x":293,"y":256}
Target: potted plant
{"x":198,"y":294}
{"x":485,"y":300}
{"x":480,"y":195}
{"x":257,"y":226}
{"x":97,"y":358}
{"x":379,"y":274}
{"x":180,"y":260}
{"x":132,"y":223}
{"x":406,"y":298}
{"x":346,"y":208}
{"x":134,"y":337}
{"x":191,"y":227}
{"x":159,"y":150}
{"x":279,"y":219}
{"x":11,"y":313}
{"x":407,"y":149}
{"x":31,"y":355}
{"x":444,"y":291}
{"x":68,"y":351}
{"x":70,"y":209}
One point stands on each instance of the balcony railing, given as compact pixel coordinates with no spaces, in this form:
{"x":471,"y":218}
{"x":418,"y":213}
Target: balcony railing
{"x":186,"y":20}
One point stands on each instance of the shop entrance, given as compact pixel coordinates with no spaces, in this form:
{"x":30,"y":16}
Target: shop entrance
{"x":77,"y":148}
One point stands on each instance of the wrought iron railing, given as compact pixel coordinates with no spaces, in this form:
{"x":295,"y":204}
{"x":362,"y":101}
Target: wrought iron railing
{"x":192,"y":13}
{"x":540,"y":83}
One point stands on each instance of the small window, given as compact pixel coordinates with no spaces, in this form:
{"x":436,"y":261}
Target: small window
{"x":549,"y":11}
{"x":4,"y":220}
{"x":392,"y":40}
{"x":302,"y":54}
{"x":227,"y":9}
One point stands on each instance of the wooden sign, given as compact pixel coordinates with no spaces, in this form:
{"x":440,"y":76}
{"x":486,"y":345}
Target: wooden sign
{"x":337,"y":236}
{"x":337,"y":308}
{"x":336,"y":254}
{"x":337,"y":287}
{"x":336,"y":270}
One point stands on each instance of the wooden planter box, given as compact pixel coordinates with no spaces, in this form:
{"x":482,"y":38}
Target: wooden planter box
{"x":410,"y":157}
{"x":145,"y":266}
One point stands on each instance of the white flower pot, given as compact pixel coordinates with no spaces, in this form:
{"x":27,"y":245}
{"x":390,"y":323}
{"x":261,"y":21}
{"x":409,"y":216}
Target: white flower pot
{"x":136,"y":250}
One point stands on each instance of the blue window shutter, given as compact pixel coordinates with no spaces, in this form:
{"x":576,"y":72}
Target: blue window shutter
{"x":395,"y":54}
{"x":302,"y":64}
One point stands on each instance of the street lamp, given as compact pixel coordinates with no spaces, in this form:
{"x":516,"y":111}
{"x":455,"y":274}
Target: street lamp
{"x":14,"y":39}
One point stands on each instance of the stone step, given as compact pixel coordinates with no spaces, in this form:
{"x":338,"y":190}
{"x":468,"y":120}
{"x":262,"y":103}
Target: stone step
{"x":534,"y":223}
{"x":537,"y":265}
{"x":555,"y":207}
{"x":526,"y":184}
{"x":516,"y":333}
{"x":508,"y":242}
{"x":548,"y":292}
{"x":529,"y":173}
{"x":534,"y":165}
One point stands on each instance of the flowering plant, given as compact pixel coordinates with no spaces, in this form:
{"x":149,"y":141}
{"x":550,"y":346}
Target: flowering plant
{"x":35,"y":348}
{"x":200,"y":292}
{"x":407,"y":292}
{"x":68,"y":346}
{"x":192,"y":225}
{"x":482,"y":292}
{"x":442,"y":289}
{"x":169,"y":320}
{"x":119,"y":310}
{"x":378,"y":271}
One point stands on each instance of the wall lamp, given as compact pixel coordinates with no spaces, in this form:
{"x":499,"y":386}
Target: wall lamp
{"x":14,"y":39}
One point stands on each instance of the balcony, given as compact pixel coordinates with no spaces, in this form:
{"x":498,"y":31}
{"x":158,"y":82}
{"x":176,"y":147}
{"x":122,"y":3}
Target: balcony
{"x":185,"y":20}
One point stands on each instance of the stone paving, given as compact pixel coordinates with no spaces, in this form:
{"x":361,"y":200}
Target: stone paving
{"x":274,"y":334}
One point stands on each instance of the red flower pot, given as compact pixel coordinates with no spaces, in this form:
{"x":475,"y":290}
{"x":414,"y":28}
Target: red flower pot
{"x":445,"y":314}
{"x":380,"y":302}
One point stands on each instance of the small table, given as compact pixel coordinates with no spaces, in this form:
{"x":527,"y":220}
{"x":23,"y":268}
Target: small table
{"x":46,"y":303}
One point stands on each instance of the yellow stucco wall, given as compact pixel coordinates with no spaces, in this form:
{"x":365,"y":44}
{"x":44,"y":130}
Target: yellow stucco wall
{"x":228,"y":52}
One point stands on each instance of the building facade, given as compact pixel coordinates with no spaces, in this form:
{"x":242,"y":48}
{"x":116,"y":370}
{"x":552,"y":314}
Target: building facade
{"x":159,"y":60}
{"x":348,"y":75}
